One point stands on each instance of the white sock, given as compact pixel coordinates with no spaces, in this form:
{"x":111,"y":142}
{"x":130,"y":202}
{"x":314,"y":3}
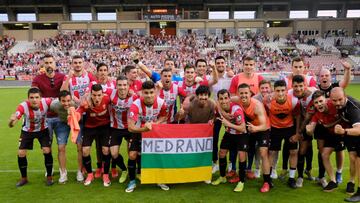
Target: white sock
{"x":292,"y":173}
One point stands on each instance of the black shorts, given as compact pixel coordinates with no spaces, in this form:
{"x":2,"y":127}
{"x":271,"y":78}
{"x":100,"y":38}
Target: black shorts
{"x":352,"y":144}
{"x":320,"y":132}
{"x":135,"y":142}
{"x":334,"y":141}
{"x":278,"y":134}
{"x":100,"y":134}
{"x":239,"y":142}
{"x":260,"y":139}
{"x":116,"y":136}
{"x":26,"y":140}
{"x":307,"y":137}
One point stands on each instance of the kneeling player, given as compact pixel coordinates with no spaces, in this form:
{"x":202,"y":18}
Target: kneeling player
{"x":235,"y":137}
{"x":34,"y":110}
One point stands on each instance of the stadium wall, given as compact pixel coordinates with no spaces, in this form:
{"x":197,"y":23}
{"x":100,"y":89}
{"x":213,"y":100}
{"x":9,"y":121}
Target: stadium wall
{"x":41,"y":34}
{"x":51,"y":17}
{"x":275,"y":14}
{"x":281,"y":31}
{"x":20,"y":35}
{"x":339,"y":24}
{"x":129,"y":15}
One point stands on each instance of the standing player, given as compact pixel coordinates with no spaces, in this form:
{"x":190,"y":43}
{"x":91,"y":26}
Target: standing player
{"x":201,"y":68}
{"x":249,"y":76}
{"x":327,"y":116}
{"x":102,"y":76}
{"x":153,"y":75}
{"x":132,"y":75}
{"x":49,"y":84}
{"x":349,"y":110}
{"x":144,"y":112}
{"x":264,"y":90}
{"x":326,"y":86}
{"x":303,"y":94}
{"x":96,"y":125}
{"x":169,"y":92}
{"x":60,"y":106}
{"x":224,"y":80}
{"x":281,"y":110}
{"x":34,"y":110}
{"x":119,"y":109}
{"x":189,"y":85}
{"x":258,"y":125}
{"x":201,"y":108}
{"x":298,"y":68}
{"x":77,"y":82}
{"x":235,"y":137}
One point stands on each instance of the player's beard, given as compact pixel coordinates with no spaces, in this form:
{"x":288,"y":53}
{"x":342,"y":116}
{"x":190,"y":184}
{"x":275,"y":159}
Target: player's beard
{"x":49,"y":70}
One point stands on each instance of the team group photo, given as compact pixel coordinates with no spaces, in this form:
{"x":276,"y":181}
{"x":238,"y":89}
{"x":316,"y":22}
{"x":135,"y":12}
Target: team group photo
{"x":180,"y":101}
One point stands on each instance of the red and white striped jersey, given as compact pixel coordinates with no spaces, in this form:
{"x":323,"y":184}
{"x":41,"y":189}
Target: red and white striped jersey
{"x":170,"y":99}
{"x":136,"y":86}
{"x":306,"y":104}
{"x":78,"y":86}
{"x":109,"y":85}
{"x":140,"y":113}
{"x":119,"y":109}
{"x":191,"y":89}
{"x":238,"y":118}
{"x":34,"y":120}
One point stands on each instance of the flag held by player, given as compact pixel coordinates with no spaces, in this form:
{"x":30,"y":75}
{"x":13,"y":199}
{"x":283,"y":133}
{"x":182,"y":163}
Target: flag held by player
{"x":177,"y":153}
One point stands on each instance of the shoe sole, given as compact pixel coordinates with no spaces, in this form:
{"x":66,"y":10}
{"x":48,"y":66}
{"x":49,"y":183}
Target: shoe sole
{"x":122,"y":181}
{"x":352,"y":193}
{"x":332,"y":190}
{"x":130,"y":191}
{"x":21,"y":185}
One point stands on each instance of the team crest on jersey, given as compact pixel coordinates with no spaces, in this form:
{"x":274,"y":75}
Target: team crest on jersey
{"x":131,"y":114}
{"x":239,"y":118}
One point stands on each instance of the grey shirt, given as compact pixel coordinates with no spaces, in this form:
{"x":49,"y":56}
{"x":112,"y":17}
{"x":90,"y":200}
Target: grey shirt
{"x":56,"y":107}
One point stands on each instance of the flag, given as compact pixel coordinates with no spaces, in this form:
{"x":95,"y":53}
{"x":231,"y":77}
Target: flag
{"x":177,"y":153}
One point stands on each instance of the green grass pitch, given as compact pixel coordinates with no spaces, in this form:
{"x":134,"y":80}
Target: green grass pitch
{"x":36,"y":191}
